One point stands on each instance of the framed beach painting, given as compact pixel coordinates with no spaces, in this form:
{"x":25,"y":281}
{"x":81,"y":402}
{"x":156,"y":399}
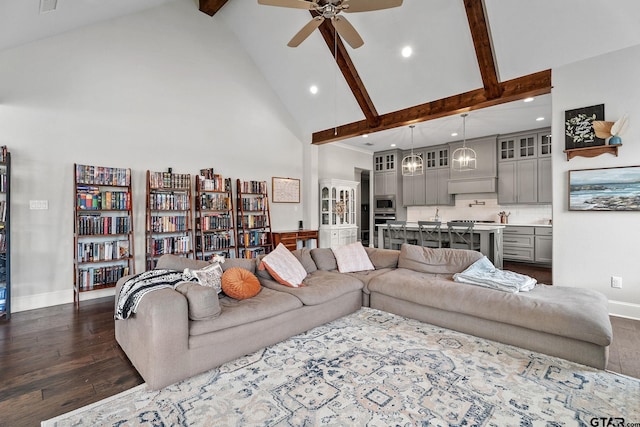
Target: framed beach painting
{"x":606,"y":189}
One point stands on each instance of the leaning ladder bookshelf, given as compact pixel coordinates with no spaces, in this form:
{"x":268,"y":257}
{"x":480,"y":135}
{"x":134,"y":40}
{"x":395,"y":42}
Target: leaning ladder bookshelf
{"x":102,"y":227}
{"x":169,"y":228}
{"x":5,"y":235}
{"x":215,"y":231}
{"x":254,"y":219}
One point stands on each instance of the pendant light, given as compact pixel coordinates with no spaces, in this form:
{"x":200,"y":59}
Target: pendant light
{"x":412,"y":164}
{"x":464,"y":158}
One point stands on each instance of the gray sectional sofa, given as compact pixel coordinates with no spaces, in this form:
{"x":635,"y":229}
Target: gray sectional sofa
{"x":165,"y":345}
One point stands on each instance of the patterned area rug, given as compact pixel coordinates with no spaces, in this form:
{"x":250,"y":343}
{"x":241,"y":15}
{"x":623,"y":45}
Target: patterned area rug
{"x":377,"y":369}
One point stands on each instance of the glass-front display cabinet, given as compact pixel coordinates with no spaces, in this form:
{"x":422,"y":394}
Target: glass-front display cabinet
{"x":338,"y":212}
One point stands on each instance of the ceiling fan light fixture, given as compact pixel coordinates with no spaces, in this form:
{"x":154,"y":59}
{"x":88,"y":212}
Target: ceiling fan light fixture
{"x":464,"y":158}
{"x":412,"y":164}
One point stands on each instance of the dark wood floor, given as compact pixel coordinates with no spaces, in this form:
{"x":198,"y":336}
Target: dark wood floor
{"x":57,"y":359}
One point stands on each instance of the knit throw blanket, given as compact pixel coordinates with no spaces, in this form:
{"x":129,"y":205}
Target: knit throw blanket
{"x":139,"y":285}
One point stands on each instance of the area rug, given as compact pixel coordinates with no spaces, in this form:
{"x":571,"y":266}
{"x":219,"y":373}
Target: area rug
{"x":377,"y":369}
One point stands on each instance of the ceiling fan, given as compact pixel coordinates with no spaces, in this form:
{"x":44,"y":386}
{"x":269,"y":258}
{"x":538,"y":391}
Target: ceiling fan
{"x":330,"y":9}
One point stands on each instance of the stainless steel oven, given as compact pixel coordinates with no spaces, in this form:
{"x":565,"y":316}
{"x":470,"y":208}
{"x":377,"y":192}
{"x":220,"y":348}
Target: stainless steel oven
{"x":384,"y":205}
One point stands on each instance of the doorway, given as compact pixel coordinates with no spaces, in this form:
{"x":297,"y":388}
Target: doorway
{"x":363,"y":218}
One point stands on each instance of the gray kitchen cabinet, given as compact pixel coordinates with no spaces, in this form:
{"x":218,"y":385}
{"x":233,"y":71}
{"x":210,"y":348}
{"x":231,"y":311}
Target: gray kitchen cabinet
{"x":437,"y":193}
{"x":385,"y":183}
{"x":543,"y":245}
{"x":386,"y":166}
{"x":524,"y":168}
{"x":527,"y":244}
{"x":414,"y":187}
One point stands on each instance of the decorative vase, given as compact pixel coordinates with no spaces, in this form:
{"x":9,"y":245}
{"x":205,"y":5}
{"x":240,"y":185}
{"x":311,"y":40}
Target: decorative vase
{"x":615,"y":140}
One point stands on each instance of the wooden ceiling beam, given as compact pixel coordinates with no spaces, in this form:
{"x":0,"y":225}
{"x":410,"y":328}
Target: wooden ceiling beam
{"x":512,"y":90}
{"x":211,"y":7}
{"x":348,"y":70}
{"x":483,"y":46}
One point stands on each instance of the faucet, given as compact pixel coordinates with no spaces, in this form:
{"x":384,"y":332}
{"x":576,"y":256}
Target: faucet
{"x":477,"y":203}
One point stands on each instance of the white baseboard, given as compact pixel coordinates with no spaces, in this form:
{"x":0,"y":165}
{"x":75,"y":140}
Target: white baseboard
{"x":624,"y":309}
{"x":49,"y":299}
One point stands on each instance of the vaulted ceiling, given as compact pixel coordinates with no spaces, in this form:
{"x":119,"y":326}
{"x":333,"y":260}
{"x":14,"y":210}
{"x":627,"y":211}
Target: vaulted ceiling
{"x":467,"y":55}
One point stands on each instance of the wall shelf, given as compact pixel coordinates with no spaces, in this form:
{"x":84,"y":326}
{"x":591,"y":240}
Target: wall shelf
{"x":592,"y":151}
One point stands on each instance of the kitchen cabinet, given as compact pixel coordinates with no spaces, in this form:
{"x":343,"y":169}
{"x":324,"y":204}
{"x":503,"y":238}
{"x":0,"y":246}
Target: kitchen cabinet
{"x":483,"y":178}
{"x":386,"y":175}
{"x":337,"y":212}
{"x":414,"y":187}
{"x":524,"y":168}
{"x":527,"y":244}
{"x":437,"y":176}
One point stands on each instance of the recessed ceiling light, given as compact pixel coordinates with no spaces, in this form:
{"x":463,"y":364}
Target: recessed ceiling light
{"x":539,"y":119}
{"x":528,"y":99}
{"x":454,"y":134}
{"x":407,"y":51}
{"x":313,"y":89}
{"x":393,"y":145}
{"x":365,"y":135}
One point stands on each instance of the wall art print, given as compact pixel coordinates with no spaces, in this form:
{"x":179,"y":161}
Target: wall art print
{"x":606,"y":189}
{"x":578,"y":127}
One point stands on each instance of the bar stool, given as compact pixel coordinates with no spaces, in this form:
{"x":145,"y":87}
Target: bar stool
{"x":395,"y":233}
{"x":430,"y":234}
{"x":461,"y":235}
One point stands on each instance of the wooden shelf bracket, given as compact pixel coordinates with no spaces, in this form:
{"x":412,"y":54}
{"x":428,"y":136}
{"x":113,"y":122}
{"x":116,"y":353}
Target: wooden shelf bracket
{"x":592,"y":151}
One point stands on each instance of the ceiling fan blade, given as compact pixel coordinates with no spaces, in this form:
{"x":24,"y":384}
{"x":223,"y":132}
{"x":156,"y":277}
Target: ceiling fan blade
{"x":346,"y":30}
{"x":306,"y":31}
{"x":369,"y":5}
{"x":296,"y":4}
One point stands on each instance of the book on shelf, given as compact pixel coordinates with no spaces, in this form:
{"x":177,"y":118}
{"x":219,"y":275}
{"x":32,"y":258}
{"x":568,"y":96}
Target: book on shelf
{"x":100,"y":175}
{"x":169,"y":180}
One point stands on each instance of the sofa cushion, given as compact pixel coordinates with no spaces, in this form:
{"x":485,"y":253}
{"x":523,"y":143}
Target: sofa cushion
{"x":383,"y":258}
{"x":247,"y":264}
{"x":267,"y":303}
{"x":366,"y":276}
{"x":239,"y":283}
{"x":430,"y":260}
{"x":210,"y":276}
{"x":319,"y":287}
{"x":324,"y":259}
{"x":573,"y":312}
{"x":202,"y":300}
{"x":284,"y":267}
{"x":352,"y":257}
{"x":179,"y":263}
{"x":304,"y":256}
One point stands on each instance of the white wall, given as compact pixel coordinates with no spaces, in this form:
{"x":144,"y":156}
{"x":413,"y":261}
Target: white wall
{"x":168,"y":87}
{"x":590,"y":247}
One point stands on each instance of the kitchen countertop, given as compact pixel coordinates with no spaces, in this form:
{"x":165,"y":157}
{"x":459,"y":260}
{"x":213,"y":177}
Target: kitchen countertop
{"x":478,"y":226}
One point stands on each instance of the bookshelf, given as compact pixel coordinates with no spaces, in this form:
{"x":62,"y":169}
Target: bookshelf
{"x":215,"y":231}
{"x":169,"y":221}
{"x":254,"y":220}
{"x":5,"y":227}
{"x":102,"y":228}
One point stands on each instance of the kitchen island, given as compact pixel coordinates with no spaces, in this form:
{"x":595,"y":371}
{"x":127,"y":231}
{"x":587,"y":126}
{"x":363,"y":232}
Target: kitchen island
{"x":490,"y":238}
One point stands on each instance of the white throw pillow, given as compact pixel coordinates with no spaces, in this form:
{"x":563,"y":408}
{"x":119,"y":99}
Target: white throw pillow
{"x":352,"y":257}
{"x":210,"y":276}
{"x":284,"y":267}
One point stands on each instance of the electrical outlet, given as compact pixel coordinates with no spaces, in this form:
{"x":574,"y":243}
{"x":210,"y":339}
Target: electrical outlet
{"x":38,"y":204}
{"x":616,"y":282}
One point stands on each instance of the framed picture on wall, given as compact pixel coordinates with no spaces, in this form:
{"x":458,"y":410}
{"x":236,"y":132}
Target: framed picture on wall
{"x":285,"y":190}
{"x":606,"y":189}
{"x":578,"y":127}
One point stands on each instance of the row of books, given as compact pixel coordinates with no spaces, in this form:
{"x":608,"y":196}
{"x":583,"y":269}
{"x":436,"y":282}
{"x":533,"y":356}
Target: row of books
{"x":169,"y":180}
{"x":254,"y":221}
{"x":103,"y":251}
{"x":170,"y":245}
{"x":214,"y":242}
{"x":169,"y":201}
{"x":90,"y":277}
{"x":216,"y":222}
{"x":254,"y":238}
{"x":251,"y":253}
{"x":214,"y":183}
{"x":3,"y":183}
{"x":254,"y":187}
{"x":4,"y":153}
{"x":100,"y":175}
{"x":91,"y":198}
{"x":215,"y":202}
{"x":96,"y":224}
{"x":254,"y":204}
{"x":168,"y":224}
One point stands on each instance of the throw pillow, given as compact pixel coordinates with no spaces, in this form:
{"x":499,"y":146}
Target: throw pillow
{"x":352,"y":257}
{"x":202,"y":301}
{"x":284,"y":267}
{"x":208,"y":276}
{"x":239,"y":283}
